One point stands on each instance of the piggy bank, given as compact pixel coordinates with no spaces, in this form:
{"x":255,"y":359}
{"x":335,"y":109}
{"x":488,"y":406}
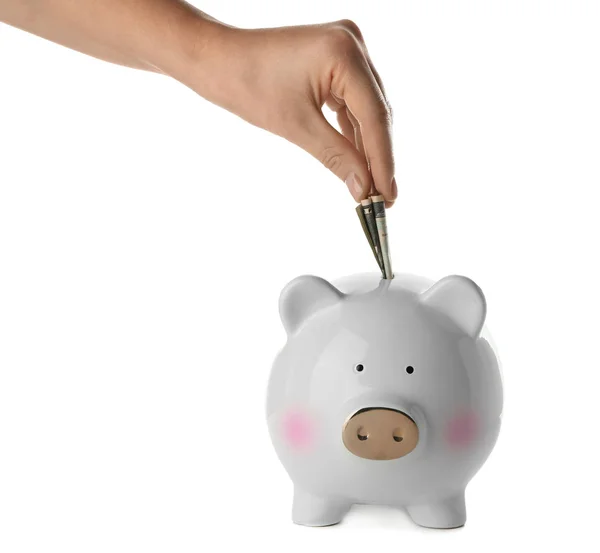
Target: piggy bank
{"x":387,"y":392}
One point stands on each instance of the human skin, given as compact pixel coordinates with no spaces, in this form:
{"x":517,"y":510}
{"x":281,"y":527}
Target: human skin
{"x":278,"y":79}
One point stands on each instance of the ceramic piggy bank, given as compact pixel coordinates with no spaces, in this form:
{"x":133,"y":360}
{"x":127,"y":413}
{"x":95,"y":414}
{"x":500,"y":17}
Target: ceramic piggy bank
{"x":387,"y":392}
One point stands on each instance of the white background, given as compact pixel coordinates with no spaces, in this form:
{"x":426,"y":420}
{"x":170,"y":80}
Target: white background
{"x":145,"y":236}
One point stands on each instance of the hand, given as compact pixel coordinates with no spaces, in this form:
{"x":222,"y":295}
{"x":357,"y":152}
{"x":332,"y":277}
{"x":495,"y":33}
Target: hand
{"x":277,"y":79}
{"x":280,"y":79}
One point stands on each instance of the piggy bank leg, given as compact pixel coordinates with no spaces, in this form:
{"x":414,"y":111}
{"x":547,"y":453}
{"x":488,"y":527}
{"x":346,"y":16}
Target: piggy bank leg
{"x":447,"y":513}
{"x":312,"y":510}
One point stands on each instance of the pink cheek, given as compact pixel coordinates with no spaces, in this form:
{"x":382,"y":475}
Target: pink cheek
{"x":298,"y":430}
{"x":461,"y":430}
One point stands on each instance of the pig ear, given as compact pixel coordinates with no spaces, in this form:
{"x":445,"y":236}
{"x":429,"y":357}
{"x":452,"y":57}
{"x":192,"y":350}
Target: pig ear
{"x":460,"y":299}
{"x":304,"y":296}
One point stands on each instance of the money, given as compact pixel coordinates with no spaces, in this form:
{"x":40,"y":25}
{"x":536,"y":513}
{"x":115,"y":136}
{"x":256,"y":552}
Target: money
{"x":371,"y":213}
{"x":381,"y":222}
{"x":363,"y":223}
{"x":367,"y":207}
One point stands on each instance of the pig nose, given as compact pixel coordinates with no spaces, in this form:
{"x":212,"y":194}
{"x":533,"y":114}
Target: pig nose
{"x":380,"y":434}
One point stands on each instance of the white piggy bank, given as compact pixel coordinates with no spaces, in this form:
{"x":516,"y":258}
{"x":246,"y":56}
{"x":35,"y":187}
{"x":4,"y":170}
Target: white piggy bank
{"x":386,"y":392}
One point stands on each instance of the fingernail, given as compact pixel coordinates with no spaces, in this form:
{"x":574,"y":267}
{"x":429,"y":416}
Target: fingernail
{"x":394,"y":188}
{"x":354,"y":185}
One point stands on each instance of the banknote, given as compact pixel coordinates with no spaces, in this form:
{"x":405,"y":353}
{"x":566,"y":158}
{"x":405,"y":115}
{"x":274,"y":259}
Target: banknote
{"x":363,"y":223}
{"x":367,"y":207}
{"x":381,"y":222}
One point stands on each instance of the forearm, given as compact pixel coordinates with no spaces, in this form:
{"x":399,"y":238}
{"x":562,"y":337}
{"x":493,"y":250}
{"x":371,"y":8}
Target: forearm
{"x":155,"y":35}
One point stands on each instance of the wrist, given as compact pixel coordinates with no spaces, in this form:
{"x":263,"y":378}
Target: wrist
{"x":198,"y":53}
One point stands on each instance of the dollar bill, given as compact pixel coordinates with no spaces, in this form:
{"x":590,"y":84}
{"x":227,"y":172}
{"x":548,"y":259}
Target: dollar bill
{"x":363,"y":223}
{"x":367,"y":207}
{"x":381,"y":222}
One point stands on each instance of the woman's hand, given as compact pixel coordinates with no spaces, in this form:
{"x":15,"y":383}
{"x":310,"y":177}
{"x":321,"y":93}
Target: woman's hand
{"x":280,"y":79}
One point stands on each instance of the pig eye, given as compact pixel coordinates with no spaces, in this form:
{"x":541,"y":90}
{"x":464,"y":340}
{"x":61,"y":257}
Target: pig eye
{"x":410,"y":369}
{"x":359,"y":368}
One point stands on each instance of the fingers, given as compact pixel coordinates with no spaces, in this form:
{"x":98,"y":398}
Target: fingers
{"x":359,"y":86}
{"x":338,"y":154}
{"x":351,"y":130}
{"x":365,"y":101}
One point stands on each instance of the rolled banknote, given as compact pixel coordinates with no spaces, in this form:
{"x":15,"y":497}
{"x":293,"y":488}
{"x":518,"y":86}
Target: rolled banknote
{"x":363,"y":223}
{"x":367,"y":207}
{"x":381,"y":222}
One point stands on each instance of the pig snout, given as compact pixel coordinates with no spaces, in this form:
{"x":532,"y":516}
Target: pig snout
{"x":380,"y":434}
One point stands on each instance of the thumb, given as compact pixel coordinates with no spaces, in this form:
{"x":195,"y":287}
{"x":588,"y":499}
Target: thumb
{"x":339,"y":155}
